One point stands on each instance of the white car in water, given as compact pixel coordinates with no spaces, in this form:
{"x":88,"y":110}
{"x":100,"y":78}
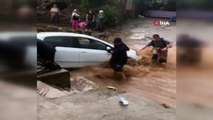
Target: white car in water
{"x":78,"y":50}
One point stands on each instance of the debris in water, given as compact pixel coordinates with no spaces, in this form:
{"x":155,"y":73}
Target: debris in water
{"x":123,"y":101}
{"x":165,"y":105}
{"x":111,"y":88}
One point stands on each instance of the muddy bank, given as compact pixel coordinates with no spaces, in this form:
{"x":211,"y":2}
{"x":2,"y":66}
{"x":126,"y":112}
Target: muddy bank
{"x":102,"y":104}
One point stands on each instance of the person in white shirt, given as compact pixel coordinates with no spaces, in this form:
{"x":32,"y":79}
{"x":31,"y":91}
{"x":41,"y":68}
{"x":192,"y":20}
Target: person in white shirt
{"x":55,"y":11}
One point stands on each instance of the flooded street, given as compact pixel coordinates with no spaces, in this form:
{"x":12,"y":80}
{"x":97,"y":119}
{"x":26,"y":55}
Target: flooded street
{"x":149,"y":90}
{"x":135,"y":33}
{"x":156,"y":83}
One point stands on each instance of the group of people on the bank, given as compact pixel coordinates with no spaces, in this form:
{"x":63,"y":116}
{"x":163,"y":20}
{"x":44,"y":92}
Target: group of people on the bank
{"x":91,"y":20}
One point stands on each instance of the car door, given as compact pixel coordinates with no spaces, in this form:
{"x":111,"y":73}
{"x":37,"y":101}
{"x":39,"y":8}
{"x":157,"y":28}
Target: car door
{"x":92,"y":52}
{"x":67,"y":53}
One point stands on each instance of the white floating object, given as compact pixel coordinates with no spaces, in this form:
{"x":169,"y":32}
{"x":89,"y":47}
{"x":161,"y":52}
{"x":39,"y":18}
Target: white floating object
{"x":123,"y":101}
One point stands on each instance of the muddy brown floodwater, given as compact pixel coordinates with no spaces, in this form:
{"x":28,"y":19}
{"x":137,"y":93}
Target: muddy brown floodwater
{"x":157,"y":83}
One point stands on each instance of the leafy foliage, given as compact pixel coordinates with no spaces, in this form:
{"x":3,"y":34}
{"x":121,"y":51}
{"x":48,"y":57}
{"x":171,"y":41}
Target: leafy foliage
{"x":85,"y":4}
{"x":168,"y":5}
{"x":111,"y":15}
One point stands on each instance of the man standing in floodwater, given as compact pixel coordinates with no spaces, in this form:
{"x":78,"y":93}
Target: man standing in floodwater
{"x":160,"y":49}
{"x":119,"y":55}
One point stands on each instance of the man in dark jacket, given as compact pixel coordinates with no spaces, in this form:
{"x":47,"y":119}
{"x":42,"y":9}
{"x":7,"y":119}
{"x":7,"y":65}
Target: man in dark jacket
{"x":160,"y":49}
{"x":119,"y":55}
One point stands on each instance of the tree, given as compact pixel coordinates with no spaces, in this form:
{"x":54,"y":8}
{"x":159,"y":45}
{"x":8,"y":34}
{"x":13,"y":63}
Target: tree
{"x":111,"y":15}
{"x":85,"y":4}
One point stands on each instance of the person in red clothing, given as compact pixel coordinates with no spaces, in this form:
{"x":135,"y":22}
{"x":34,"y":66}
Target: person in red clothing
{"x":75,"y":19}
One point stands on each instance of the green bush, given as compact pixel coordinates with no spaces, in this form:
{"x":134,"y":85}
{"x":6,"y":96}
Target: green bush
{"x":85,"y":4}
{"x":98,"y":3}
{"x":111,"y":15}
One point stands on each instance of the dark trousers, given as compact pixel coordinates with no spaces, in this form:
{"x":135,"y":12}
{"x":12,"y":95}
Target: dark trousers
{"x":99,"y":26}
{"x":54,"y":19}
{"x":116,"y":67}
{"x":89,"y":24}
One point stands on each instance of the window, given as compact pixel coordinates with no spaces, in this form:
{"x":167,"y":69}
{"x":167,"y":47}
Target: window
{"x":63,"y":41}
{"x":91,"y":44}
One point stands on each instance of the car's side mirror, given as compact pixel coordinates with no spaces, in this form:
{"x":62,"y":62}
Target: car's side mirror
{"x":108,"y":49}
